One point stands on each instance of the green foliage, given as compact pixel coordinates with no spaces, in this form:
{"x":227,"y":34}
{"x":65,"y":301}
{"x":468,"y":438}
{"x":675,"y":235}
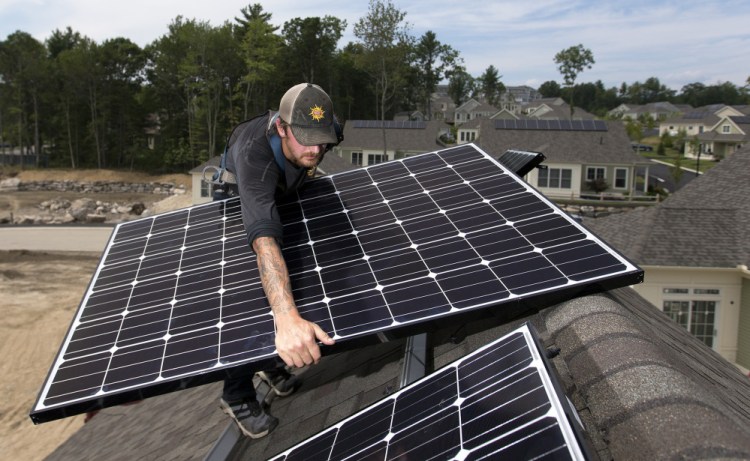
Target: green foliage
{"x":490,"y":85}
{"x":80,"y":103}
{"x":433,"y":62}
{"x":571,"y":62}
{"x":385,"y":40}
{"x":597,"y":185}
{"x":461,"y":85}
{"x":550,"y":89}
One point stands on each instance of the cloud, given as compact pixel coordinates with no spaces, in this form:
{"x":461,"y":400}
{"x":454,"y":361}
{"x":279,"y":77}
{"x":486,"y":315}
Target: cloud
{"x":677,"y":41}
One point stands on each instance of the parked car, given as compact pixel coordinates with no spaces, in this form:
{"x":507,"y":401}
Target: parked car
{"x":641,"y":147}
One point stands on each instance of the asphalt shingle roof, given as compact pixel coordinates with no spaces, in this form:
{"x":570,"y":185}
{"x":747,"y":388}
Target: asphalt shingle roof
{"x":704,"y":224}
{"x":589,"y":147}
{"x":402,"y":139}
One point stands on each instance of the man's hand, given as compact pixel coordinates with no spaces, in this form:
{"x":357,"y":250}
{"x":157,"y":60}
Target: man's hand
{"x":296,"y":339}
{"x":295,"y":336}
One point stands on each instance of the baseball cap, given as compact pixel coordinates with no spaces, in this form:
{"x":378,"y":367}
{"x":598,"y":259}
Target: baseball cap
{"x":309,"y":112}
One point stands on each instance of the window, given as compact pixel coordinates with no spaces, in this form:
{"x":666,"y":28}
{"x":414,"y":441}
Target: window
{"x":595,"y":172}
{"x":372,"y":159}
{"x":621,"y":178}
{"x":706,"y":291}
{"x":206,"y":189}
{"x":697,"y":315}
{"x":557,"y":178}
{"x":468,"y":136}
{"x":357,"y":158}
{"x":725,"y":128}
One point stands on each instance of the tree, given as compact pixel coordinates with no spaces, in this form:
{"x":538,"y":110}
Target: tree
{"x":311,"y":43}
{"x":24,"y":72}
{"x":385,"y":40}
{"x":432,"y":63}
{"x":260,"y":50}
{"x":491,"y":86}
{"x":550,"y":89}
{"x":460,"y":85}
{"x":571,"y":62}
{"x":651,"y":90}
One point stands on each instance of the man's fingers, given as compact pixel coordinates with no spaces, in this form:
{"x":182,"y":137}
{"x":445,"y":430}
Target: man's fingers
{"x":322,"y":335}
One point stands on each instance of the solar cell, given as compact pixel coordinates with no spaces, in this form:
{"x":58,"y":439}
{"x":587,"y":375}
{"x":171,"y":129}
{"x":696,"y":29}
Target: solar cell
{"x":176,"y":300}
{"x":499,"y":402}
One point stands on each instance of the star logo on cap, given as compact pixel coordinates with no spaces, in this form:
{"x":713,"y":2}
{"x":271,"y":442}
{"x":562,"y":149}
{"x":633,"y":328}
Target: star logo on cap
{"x":317,"y":113}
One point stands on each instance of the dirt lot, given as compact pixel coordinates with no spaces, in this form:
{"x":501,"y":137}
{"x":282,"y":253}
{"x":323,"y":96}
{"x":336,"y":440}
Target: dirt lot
{"x":40,"y":293}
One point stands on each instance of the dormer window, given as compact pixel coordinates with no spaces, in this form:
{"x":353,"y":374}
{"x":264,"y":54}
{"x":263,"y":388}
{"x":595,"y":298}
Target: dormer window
{"x":725,"y":128}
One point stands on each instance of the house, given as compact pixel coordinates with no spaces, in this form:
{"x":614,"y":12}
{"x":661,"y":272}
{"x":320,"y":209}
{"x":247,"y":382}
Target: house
{"x":473,"y":109}
{"x":577,"y":152}
{"x":656,"y":110}
{"x":367,"y":142}
{"x":413,"y":115}
{"x":695,"y":250}
{"x":200,"y":176}
{"x":557,"y":112}
{"x":442,"y":107}
{"x":642,"y":387}
{"x":721,"y":140}
{"x":707,"y":118}
{"x":522,"y":94}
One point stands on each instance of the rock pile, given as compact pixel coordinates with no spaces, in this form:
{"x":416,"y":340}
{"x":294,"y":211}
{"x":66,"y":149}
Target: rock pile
{"x":84,"y":210}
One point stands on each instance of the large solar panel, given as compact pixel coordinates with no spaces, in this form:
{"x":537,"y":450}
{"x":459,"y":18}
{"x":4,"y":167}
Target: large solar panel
{"x":500,"y":402}
{"x":177,"y":301}
{"x":521,"y":162}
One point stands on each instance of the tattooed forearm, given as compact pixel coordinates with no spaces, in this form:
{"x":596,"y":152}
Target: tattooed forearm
{"x":274,"y":275}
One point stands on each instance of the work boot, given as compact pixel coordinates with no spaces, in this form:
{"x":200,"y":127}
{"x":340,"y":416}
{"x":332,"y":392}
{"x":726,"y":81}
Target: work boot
{"x":250,"y":417}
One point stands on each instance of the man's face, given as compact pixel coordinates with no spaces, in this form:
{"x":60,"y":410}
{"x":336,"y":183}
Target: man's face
{"x":299,"y":154}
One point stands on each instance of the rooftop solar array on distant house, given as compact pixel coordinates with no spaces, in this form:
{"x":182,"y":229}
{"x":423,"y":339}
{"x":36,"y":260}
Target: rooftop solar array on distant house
{"x":551,"y":125}
{"x":176,"y":299}
{"x":390,"y":124}
{"x":500,"y":402}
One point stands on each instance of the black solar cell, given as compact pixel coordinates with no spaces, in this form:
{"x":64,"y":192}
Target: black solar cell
{"x":176,"y":300}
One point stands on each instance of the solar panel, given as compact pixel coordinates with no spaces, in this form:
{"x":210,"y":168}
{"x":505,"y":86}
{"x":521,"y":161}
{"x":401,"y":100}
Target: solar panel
{"x":390,"y":124}
{"x":551,"y":125}
{"x":521,"y":162}
{"x":176,"y":300}
{"x":500,"y":402}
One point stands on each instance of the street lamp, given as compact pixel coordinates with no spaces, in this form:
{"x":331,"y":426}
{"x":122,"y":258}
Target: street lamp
{"x":698,"y":161}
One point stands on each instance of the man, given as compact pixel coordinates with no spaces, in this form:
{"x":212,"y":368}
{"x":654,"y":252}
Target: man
{"x":270,"y":156}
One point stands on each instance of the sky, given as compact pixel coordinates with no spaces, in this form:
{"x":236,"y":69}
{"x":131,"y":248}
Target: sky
{"x":677,"y":41}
